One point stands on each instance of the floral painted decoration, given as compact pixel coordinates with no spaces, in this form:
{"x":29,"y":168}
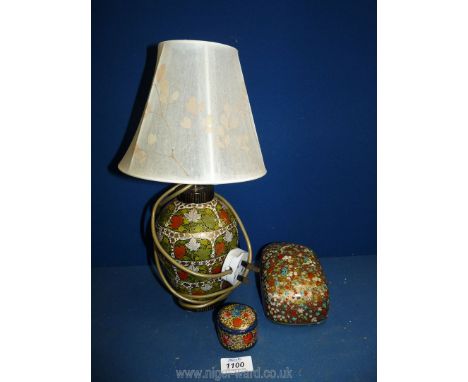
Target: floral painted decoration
{"x":294,"y":287}
{"x":237,"y":327}
{"x":199,"y":236}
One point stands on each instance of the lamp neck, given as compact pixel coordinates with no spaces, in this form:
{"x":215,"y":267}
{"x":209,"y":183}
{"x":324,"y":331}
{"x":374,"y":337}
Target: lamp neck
{"x":197,"y":194}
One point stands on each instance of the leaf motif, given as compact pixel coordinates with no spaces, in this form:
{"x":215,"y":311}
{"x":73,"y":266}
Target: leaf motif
{"x":203,"y":254}
{"x":193,"y":107}
{"x":193,"y":245}
{"x":192,"y":216}
{"x":228,"y":236}
{"x":205,"y":243}
{"x":166,"y":244}
{"x":197,"y":228}
{"x":140,"y":155}
{"x":186,"y":123}
{"x":174,"y":96}
{"x":181,"y":228}
{"x":193,"y":268}
{"x":161,"y":72}
{"x":151,"y":139}
{"x":210,"y":222}
{"x":164,"y":91}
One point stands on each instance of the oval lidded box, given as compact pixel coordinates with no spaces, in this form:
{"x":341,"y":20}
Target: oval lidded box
{"x":236,"y":325}
{"x":294,"y":287}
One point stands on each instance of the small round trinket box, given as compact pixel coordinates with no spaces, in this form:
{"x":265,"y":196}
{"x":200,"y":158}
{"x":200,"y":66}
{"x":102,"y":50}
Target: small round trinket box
{"x":236,"y":325}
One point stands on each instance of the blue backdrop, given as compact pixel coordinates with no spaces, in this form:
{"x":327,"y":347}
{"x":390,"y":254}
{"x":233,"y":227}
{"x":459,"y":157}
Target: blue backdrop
{"x":310,"y":70}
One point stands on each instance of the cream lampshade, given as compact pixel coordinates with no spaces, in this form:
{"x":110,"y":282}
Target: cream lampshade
{"x":197,"y":127}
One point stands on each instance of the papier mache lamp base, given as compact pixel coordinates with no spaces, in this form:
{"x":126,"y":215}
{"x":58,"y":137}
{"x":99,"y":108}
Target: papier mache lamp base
{"x":198,"y":229}
{"x":197,"y":258}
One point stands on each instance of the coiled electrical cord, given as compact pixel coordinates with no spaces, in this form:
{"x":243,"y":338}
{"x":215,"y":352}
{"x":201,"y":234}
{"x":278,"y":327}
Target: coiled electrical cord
{"x":191,"y":301}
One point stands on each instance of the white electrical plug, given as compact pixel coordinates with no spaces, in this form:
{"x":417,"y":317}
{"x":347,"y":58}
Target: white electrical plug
{"x":233,"y":261}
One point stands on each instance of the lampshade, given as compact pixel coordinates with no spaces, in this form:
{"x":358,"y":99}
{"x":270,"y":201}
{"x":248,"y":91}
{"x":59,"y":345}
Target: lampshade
{"x":197,"y":127}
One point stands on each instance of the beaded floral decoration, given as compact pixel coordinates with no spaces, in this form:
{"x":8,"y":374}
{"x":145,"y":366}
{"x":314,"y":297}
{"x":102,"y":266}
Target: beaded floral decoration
{"x":237,"y":327}
{"x":294,"y":287}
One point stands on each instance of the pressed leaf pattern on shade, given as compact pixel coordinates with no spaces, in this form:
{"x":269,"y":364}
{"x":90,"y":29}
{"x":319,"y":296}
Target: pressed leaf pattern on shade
{"x":174,"y":96}
{"x":194,"y":107}
{"x":187,"y":105}
{"x":186,"y":123}
{"x":151,"y":139}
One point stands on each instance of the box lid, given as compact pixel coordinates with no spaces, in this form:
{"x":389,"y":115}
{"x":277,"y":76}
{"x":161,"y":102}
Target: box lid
{"x":236,"y":318}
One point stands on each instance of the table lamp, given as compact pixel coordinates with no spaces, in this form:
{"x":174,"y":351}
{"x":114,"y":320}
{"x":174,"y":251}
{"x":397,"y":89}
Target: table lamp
{"x":197,"y":131}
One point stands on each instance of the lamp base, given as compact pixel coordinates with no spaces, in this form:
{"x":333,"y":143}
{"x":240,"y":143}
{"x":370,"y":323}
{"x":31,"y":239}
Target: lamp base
{"x":198,"y":230}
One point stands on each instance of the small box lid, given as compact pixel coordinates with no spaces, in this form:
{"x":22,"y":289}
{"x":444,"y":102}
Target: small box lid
{"x":236,"y":318}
